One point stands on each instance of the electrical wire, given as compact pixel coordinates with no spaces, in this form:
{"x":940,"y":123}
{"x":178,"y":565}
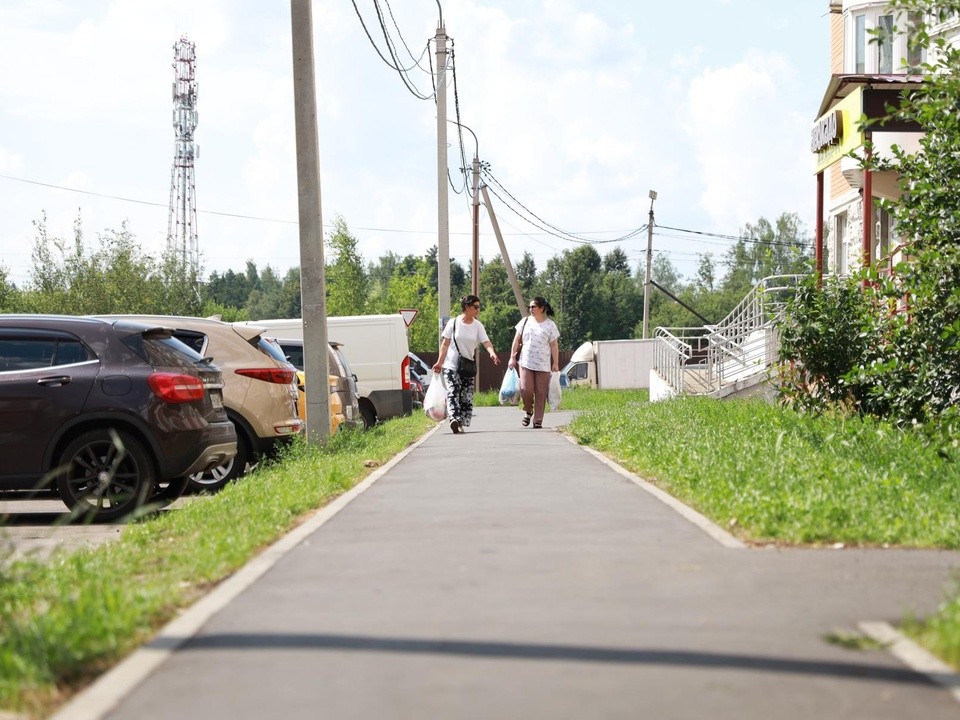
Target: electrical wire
{"x":738,"y":238}
{"x":395,"y":64}
{"x":545,"y":226}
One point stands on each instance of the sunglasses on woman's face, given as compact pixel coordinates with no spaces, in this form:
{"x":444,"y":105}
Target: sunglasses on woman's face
{"x":476,"y":306}
{"x":534,"y":307}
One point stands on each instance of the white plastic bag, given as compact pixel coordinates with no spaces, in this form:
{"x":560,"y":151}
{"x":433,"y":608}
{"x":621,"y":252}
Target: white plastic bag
{"x":435,"y":400}
{"x":510,"y":388}
{"x":553,"y":394}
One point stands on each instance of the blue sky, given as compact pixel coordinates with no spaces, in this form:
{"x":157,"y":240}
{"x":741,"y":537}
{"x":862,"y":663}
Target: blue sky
{"x":580,"y":108}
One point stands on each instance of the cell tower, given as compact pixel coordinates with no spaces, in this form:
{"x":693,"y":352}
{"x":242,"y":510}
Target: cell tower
{"x":182,"y":225}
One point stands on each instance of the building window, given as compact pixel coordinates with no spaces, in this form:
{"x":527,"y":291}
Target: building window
{"x":885,"y":44}
{"x":914,"y":52}
{"x":860,"y":43}
{"x":840,"y":244}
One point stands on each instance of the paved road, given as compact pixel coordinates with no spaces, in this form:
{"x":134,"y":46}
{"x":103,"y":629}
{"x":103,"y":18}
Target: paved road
{"x":507,"y":573}
{"x":37,"y":528}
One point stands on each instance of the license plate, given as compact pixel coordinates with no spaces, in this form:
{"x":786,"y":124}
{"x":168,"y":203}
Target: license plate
{"x":217,"y":400}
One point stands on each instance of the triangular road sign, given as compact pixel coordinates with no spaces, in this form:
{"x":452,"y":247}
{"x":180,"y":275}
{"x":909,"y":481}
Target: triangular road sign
{"x":409,"y":316}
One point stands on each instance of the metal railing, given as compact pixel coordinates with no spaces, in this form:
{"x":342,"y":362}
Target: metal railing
{"x":703,"y":360}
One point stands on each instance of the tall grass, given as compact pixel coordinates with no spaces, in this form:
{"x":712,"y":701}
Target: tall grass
{"x":63,"y":622}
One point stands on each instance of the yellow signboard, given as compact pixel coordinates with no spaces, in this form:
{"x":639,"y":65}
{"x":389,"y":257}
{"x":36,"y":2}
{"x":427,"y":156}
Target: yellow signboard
{"x":839,"y":131}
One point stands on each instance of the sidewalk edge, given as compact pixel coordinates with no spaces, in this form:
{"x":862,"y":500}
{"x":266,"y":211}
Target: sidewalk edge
{"x":108,"y":690}
{"x":691,"y":515}
{"x":913,"y":656}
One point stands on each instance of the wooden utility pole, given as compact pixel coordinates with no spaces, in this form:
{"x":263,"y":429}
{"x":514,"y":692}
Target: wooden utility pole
{"x":517,"y":292}
{"x":649,"y":274}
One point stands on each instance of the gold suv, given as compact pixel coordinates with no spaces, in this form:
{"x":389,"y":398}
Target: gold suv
{"x":260,"y":389}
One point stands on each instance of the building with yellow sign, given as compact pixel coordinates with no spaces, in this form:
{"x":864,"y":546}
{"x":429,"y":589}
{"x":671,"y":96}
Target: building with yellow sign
{"x":871,"y":66}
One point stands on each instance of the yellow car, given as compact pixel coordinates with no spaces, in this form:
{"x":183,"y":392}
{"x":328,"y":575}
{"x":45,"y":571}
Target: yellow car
{"x":337,"y":417}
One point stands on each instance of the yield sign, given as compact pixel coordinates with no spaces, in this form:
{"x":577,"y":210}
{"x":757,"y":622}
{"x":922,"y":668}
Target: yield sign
{"x":409,"y":316}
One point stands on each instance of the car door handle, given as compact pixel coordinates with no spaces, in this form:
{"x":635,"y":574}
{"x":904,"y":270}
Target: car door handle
{"x":54,"y":380}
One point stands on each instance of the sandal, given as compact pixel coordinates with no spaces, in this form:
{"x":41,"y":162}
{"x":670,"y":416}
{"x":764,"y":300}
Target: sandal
{"x":537,"y":426}
{"x":526,"y":419}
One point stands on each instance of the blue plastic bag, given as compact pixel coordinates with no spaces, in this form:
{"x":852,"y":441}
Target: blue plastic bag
{"x":510,"y":388}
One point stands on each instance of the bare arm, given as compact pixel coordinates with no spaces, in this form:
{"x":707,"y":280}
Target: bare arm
{"x":493,"y":353}
{"x":555,"y":355}
{"x":514,"y":346}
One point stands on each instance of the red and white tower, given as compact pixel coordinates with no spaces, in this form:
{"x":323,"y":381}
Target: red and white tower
{"x":182,"y":225}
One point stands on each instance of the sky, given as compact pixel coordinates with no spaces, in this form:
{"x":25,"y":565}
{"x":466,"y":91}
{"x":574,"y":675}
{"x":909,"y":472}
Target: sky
{"x":579,"y":108}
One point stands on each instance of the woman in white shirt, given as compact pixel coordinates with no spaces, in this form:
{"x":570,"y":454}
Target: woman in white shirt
{"x":537,"y":339}
{"x":461,"y":337}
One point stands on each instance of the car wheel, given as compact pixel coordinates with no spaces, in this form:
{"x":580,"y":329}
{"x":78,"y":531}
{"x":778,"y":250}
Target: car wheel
{"x":105,"y":475}
{"x":368,"y":416}
{"x":217,"y":478}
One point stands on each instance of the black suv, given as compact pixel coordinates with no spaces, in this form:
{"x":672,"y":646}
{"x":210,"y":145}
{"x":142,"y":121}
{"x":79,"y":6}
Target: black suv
{"x":109,"y":414}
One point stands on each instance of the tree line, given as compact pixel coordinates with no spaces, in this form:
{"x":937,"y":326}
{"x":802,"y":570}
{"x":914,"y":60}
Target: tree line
{"x":596,"y":297}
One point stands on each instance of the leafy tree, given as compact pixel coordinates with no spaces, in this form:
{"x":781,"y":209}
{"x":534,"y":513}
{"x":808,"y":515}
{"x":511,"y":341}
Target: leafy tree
{"x":616,"y":262}
{"x":526,"y":271}
{"x":706,"y":274}
{"x":346,"y":280}
{"x":267,"y":300}
{"x":116,"y":277}
{"x":571,"y":290}
{"x":230,"y":289}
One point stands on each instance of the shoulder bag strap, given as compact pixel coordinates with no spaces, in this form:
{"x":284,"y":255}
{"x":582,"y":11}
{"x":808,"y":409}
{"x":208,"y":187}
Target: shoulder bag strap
{"x":454,"y":337}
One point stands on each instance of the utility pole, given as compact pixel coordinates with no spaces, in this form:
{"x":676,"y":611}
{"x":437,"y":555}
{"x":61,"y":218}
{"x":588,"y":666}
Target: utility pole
{"x":649,"y":276}
{"x":476,"y":226}
{"x":443,"y":213}
{"x":313,"y":294}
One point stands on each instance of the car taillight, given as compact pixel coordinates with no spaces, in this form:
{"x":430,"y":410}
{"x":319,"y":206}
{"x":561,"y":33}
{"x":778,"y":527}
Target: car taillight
{"x":281,"y":376}
{"x":405,"y":374}
{"x":176,"y":388}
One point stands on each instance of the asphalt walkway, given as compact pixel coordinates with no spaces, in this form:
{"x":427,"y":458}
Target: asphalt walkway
{"x":508,"y":573}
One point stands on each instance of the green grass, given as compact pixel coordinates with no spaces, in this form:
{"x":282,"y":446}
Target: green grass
{"x":65,"y":621}
{"x":775,"y":476}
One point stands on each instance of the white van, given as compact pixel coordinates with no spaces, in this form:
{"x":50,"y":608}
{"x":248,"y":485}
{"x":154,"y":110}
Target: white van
{"x":376,"y":348}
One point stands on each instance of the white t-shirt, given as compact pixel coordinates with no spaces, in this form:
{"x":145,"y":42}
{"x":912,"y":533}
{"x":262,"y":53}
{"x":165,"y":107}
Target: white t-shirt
{"x":535,"y":351}
{"x":469,"y":336}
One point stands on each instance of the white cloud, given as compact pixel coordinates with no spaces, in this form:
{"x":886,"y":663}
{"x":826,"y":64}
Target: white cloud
{"x":748,"y":145}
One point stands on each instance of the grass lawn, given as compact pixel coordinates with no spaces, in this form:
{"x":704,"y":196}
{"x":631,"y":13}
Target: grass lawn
{"x":64,"y":622}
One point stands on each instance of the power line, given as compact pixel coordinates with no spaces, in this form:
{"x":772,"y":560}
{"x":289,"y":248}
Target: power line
{"x":547,"y":227}
{"x":393,"y":63}
{"x":738,"y":238}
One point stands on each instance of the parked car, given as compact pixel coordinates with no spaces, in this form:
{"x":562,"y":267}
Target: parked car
{"x":343,"y":383}
{"x":110,"y":414}
{"x":420,"y":369}
{"x":260,"y":391}
{"x":376,"y":346}
{"x":337,"y":417}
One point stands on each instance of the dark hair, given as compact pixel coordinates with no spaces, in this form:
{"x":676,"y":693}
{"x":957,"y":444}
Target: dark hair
{"x":540,"y":301}
{"x":468,"y":300}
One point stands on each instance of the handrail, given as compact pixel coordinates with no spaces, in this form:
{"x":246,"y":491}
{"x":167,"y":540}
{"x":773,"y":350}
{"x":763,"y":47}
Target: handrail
{"x":704,"y":359}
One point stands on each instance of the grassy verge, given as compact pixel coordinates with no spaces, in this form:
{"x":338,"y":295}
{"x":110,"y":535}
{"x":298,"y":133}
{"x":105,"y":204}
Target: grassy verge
{"x":775,"y":476}
{"x":64,"y":622}
{"x":771,"y":475}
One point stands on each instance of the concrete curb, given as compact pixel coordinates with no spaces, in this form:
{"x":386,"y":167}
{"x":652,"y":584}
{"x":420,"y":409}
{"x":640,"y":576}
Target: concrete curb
{"x":106,"y":692}
{"x":913,"y":656}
